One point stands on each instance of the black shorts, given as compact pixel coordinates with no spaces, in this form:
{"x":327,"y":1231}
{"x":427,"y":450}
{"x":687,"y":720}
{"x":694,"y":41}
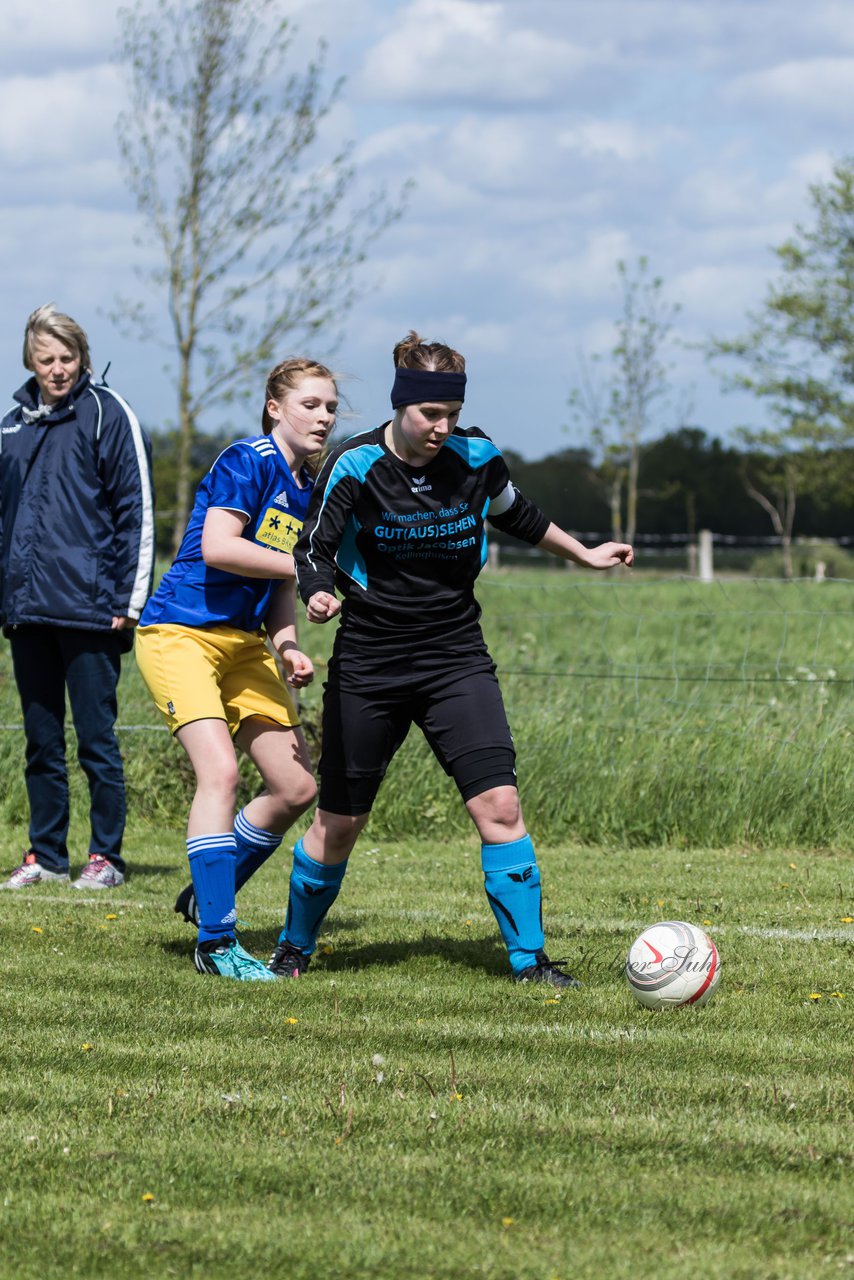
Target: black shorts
{"x":462,"y":717}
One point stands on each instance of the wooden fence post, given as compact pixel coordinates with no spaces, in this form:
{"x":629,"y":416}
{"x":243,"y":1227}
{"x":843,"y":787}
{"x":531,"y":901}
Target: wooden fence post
{"x":707,"y":568}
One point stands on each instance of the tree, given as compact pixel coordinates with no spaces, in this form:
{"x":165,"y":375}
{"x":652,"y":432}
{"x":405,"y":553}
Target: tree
{"x":798,"y":359}
{"x":696,"y":485}
{"x":166,"y":451}
{"x":565,"y":485}
{"x":620,"y":409}
{"x":256,"y":247}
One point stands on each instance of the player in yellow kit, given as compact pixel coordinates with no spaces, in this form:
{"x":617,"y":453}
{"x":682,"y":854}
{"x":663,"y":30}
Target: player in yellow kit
{"x":202,"y":652}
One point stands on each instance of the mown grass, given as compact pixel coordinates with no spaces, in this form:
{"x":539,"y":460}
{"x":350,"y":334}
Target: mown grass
{"x":509,"y":1137}
{"x":405,"y":1110}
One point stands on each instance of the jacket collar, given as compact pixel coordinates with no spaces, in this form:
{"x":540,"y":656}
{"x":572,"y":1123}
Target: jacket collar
{"x":28,"y":395}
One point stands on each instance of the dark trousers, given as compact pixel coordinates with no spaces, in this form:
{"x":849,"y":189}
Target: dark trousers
{"x":46,"y":661}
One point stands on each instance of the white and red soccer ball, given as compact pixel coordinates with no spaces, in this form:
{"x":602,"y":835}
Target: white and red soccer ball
{"x":672,"y":964}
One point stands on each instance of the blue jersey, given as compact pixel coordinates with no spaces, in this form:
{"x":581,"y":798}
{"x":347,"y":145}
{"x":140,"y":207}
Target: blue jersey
{"x":253,"y":477}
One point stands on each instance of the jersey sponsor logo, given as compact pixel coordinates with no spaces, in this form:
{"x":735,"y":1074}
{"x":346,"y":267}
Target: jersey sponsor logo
{"x":409,"y":533}
{"x":282,"y":499}
{"x":278,"y":531}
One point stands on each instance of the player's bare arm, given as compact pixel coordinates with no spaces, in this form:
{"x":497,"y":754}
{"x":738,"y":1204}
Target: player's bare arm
{"x":224,"y":547}
{"x":280,"y":624}
{"x":606,"y":556}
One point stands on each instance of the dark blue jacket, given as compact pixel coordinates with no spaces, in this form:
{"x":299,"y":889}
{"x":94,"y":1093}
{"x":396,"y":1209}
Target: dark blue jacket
{"x":76,"y":511}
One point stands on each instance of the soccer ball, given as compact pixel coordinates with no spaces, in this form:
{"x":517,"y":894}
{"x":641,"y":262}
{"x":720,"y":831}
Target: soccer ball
{"x":673,"y":964}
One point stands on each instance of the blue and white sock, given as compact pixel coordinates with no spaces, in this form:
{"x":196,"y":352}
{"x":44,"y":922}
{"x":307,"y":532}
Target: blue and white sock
{"x":512,"y":881}
{"x":253,"y":847}
{"x":212,"y":868}
{"x":314,"y":888}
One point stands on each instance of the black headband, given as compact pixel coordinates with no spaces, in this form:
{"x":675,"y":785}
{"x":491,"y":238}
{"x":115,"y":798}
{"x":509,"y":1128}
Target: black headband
{"x":426,"y":386}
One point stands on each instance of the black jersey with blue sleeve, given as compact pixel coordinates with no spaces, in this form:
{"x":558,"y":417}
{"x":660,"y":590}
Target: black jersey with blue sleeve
{"x":253,"y":478}
{"x":404,"y":545}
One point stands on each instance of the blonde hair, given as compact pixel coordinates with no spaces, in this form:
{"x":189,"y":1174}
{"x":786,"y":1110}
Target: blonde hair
{"x":47,"y":322}
{"x":412,"y":352}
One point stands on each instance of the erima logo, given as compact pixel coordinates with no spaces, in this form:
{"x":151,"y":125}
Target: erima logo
{"x":420,"y":486}
{"x":520,"y":879}
{"x":282,"y":499}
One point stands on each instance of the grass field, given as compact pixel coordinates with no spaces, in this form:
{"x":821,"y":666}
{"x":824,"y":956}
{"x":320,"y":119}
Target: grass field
{"x":406,"y":1111}
{"x":645,"y":713}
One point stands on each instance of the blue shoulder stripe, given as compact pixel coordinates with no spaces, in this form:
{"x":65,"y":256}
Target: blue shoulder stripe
{"x":355,"y":462}
{"x":252,"y":442}
{"x":475,"y":451}
{"x":349,"y":559}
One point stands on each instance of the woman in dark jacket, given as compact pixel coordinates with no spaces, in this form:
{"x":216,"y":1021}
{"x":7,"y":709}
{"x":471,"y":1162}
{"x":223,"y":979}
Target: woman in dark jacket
{"x":76,"y":562}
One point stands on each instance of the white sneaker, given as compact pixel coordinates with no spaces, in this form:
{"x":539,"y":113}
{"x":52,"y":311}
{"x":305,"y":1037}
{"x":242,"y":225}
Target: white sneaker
{"x":31,"y":872}
{"x":99,"y":873}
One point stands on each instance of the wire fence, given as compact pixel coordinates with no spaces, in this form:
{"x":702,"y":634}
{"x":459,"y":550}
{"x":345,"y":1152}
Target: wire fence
{"x":642,"y":708}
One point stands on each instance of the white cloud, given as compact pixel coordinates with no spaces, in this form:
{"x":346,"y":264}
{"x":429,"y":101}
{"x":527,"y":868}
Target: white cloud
{"x":38,"y":36}
{"x":59,"y":119}
{"x":336,"y":19}
{"x":735,"y":204}
{"x":734,"y":192}
{"x":833,"y":20}
{"x":70,"y":248}
{"x":588,"y":275}
{"x":717,"y":296}
{"x":696,"y":34}
{"x":548,"y":139}
{"x":824,"y":87}
{"x":444,"y":51}
{"x":623,"y":139}
{"x":497,"y":153}
{"x":400,"y":142}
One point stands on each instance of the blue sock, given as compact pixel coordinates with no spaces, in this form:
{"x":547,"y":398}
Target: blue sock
{"x":512,"y":881}
{"x":253,"y":847}
{"x":314,"y":888}
{"x":212,"y":869}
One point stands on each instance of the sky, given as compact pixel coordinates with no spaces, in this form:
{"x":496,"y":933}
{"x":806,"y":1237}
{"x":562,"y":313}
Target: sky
{"x":547,"y":140}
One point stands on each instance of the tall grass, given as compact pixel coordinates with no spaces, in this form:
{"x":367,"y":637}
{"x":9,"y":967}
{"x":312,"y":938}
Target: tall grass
{"x":675,"y":713}
{"x":644,"y":713}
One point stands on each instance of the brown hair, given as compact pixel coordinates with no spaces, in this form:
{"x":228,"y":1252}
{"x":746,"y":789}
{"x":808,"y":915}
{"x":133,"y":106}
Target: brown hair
{"x":286,"y":377}
{"x":47,"y":322}
{"x":412,"y":352}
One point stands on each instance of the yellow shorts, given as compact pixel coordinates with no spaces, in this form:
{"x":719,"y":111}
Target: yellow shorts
{"x":211,"y":673}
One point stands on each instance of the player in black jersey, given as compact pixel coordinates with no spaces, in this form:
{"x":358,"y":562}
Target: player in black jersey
{"x":396,"y":526}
